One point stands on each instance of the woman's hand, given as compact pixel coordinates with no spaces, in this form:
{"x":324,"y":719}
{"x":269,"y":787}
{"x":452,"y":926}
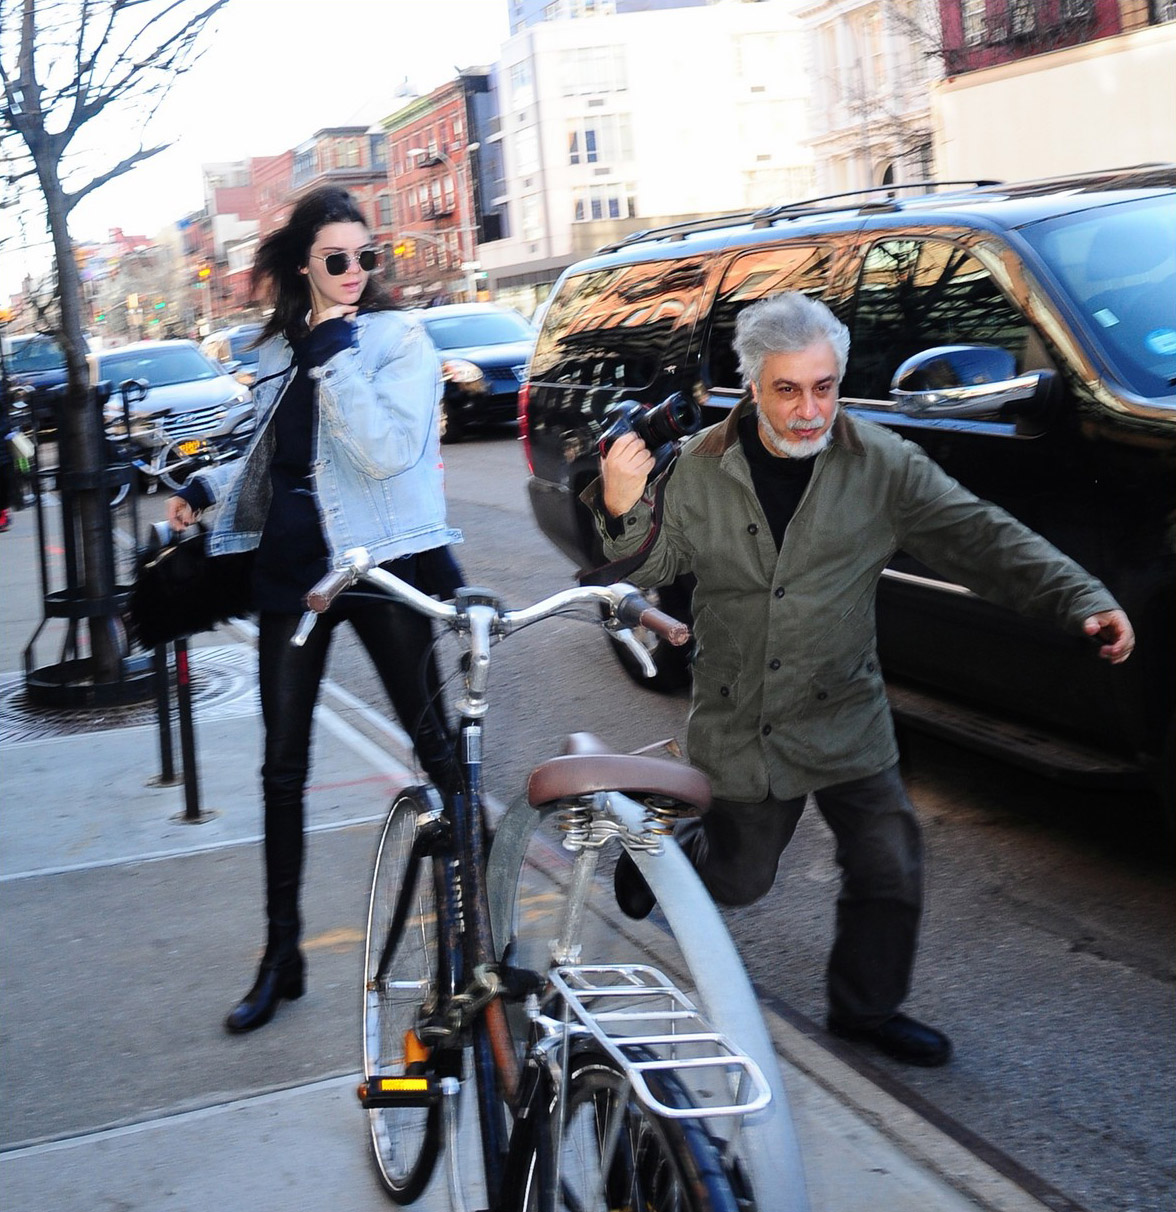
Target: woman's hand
{"x":181,"y":515}
{"x":340,"y":311}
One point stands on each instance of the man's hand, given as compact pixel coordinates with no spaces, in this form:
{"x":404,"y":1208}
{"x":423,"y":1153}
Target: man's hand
{"x":1114,"y":629}
{"x":624,"y":471}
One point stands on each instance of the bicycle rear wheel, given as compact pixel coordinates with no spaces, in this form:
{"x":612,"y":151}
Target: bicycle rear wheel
{"x":405,"y":1139}
{"x":614,"y":1154}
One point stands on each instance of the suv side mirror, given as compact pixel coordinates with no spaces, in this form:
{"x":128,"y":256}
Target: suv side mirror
{"x":963,"y":381}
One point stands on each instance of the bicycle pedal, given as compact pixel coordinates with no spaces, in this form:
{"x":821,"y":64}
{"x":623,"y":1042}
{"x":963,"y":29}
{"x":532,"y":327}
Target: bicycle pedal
{"x":397,"y":1090}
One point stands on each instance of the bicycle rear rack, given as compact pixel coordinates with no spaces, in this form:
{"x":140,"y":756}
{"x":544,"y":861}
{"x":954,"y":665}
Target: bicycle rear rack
{"x":647,"y":1024}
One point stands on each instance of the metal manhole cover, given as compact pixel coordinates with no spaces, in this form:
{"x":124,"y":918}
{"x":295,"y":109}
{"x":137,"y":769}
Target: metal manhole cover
{"x":224,"y":684}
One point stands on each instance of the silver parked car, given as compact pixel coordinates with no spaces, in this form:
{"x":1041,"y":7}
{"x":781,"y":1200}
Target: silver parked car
{"x":172,"y":409}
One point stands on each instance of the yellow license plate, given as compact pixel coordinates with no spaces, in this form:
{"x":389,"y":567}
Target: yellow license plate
{"x":191,"y":448}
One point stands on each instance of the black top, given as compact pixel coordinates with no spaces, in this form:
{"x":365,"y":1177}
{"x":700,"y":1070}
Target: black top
{"x":292,"y":554}
{"x":779,"y":482}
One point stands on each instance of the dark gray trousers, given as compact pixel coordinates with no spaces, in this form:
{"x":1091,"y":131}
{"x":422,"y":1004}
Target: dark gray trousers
{"x":736,"y":849}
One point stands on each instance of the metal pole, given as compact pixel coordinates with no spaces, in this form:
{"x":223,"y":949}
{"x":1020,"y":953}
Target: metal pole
{"x":191,"y":814}
{"x":167,"y":765}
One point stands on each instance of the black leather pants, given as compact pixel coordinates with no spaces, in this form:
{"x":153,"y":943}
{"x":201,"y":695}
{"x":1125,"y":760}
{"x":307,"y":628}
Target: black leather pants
{"x":398,"y":640}
{"x":736,"y":848}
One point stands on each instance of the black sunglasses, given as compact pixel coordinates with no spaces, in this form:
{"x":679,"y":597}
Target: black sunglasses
{"x":339,"y":263}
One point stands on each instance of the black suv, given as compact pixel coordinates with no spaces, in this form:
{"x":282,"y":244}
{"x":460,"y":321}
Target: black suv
{"x":1075,"y":279}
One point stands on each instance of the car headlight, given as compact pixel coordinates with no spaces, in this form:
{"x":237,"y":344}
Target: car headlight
{"x":458,"y":370}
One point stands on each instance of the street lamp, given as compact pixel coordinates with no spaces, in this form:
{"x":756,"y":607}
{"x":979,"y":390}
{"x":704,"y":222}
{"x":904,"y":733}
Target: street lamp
{"x":469,"y":263}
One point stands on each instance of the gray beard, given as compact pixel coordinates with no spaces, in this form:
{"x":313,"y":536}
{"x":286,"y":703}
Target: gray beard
{"x":794,"y":449}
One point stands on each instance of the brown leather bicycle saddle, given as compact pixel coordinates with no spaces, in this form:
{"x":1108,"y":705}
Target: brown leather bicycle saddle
{"x":589,"y":766}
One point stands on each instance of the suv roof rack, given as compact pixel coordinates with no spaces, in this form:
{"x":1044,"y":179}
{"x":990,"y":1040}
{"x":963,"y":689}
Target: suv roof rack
{"x":764,"y":216}
{"x":884,"y":197}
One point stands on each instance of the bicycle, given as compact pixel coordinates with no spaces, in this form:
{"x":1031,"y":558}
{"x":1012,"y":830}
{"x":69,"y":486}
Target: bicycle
{"x":144,"y":446}
{"x":624,"y":1093}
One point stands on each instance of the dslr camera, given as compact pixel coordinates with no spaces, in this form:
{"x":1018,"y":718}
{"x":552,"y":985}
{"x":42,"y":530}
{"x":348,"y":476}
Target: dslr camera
{"x":659,"y":426}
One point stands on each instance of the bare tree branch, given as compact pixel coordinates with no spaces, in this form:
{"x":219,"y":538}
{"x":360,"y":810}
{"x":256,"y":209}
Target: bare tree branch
{"x":124,"y":165}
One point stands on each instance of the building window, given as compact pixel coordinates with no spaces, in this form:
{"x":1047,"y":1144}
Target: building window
{"x":379,"y":151}
{"x":522,"y":84}
{"x":615,"y":201}
{"x":594,"y":69}
{"x":605,"y":139}
{"x":526,"y":149}
{"x":972,"y":14}
{"x":1022,"y":17}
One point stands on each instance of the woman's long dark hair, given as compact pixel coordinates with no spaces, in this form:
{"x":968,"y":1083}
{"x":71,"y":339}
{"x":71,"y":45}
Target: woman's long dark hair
{"x":277,"y":268}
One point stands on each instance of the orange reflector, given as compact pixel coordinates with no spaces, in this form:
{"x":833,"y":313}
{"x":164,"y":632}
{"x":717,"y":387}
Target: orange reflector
{"x":415,"y":1052}
{"x":400,"y":1085}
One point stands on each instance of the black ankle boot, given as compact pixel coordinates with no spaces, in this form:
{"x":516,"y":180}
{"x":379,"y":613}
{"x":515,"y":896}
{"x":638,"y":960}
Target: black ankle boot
{"x":275,"y":980}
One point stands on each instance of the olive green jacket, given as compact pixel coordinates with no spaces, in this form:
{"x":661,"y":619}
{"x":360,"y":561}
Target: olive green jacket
{"x":788,"y":695}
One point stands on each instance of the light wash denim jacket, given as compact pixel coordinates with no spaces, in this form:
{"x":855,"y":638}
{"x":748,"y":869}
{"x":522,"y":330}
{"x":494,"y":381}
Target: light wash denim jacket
{"x":376,"y":465}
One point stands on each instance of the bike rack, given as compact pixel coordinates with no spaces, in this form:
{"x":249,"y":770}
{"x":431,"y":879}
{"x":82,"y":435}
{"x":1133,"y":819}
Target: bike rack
{"x":610,"y":1000}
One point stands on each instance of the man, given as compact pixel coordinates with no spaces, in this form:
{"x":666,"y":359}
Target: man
{"x":786,"y":513}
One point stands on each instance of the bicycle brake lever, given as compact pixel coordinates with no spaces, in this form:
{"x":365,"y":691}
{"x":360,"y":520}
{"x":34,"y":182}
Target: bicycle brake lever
{"x":305,"y":627}
{"x":627,"y":638}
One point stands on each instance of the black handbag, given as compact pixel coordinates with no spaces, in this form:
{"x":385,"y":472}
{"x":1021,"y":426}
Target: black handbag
{"x":181,"y":590}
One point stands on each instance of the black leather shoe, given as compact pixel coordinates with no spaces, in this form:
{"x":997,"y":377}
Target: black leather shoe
{"x":903,"y":1038}
{"x":634,"y":896}
{"x":273,"y":983}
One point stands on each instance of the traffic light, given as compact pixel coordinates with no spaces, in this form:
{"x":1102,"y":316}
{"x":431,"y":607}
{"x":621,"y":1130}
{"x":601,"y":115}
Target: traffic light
{"x":406,"y":248}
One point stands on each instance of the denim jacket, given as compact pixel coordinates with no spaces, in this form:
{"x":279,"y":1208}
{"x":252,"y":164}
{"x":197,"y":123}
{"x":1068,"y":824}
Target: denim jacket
{"x":376,"y":467}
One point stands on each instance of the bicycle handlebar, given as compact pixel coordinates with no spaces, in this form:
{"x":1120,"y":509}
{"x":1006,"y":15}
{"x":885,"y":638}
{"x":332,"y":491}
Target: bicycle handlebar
{"x":625,"y":602}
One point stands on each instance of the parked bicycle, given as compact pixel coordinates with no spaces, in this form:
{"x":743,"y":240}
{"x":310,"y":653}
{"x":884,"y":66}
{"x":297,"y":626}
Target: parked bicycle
{"x":141,"y":442}
{"x":619,"y":1091}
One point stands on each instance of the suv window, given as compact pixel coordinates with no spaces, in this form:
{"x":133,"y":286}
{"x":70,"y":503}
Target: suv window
{"x":612,"y":327}
{"x":755,"y":276}
{"x":916,"y":294}
{"x":1118,"y":264}
{"x":36,"y":354}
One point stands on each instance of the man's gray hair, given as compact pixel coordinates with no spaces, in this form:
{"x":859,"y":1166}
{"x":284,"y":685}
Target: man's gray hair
{"x":786,"y":323}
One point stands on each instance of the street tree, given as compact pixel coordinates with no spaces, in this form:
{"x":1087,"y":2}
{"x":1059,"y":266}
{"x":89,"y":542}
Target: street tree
{"x":81,"y":80}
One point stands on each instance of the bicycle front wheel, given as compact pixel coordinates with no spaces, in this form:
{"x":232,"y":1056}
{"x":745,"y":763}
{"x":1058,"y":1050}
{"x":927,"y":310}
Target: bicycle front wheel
{"x":613,"y":1154}
{"x":404,"y":1139}
{"x":174,"y":466}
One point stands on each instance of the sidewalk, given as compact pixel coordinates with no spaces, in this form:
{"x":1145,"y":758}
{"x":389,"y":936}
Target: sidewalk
{"x":128,"y":933}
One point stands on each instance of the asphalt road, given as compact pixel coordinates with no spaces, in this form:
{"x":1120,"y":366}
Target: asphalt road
{"x":1048,"y":952}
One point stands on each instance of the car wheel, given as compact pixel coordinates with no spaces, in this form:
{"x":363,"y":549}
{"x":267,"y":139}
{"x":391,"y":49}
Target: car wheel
{"x":673,"y":663}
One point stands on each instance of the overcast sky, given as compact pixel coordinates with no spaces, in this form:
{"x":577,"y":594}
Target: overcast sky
{"x":273,"y":73}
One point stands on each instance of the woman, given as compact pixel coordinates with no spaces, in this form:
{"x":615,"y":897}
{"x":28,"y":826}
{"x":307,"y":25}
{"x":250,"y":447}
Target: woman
{"x":346,"y":454}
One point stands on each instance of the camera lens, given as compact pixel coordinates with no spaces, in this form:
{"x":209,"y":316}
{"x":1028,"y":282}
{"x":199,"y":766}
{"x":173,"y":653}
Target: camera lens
{"x":673,"y":418}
